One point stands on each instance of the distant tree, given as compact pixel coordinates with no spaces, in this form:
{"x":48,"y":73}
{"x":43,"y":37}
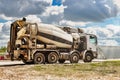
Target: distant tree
{"x":3,"y":49}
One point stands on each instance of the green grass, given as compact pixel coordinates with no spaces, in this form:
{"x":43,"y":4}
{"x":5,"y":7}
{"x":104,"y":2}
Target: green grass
{"x":101,"y":68}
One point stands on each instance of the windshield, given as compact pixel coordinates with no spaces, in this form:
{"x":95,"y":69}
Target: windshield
{"x":93,"y":39}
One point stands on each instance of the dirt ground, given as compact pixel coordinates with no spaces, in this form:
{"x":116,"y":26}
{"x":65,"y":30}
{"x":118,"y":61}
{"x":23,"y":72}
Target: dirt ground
{"x":27,"y":72}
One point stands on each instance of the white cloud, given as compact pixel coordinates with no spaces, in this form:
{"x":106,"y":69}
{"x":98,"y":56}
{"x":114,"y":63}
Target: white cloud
{"x":3,"y":42}
{"x":108,"y":43}
{"x":94,"y":2}
{"x":109,"y":8}
{"x":54,"y":10}
{"x":100,"y":32}
{"x":1,"y":24}
{"x":2,"y":16}
{"x":6,"y":27}
{"x":24,"y":6}
{"x":4,"y":33}
{"x":20,"y":8}
{"x":33,"y":18}
{"x":108,"y":36}
{"x":114,"y":29}
{"x":117,"y":2}
{"x":48,"y":1}
{"x":90,"y":10}
{"x":72,"y":23}
{"x":109,"y":31}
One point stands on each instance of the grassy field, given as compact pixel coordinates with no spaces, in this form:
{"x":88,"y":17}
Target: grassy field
{"x":80,"y":70}
{"x":108,"y":70}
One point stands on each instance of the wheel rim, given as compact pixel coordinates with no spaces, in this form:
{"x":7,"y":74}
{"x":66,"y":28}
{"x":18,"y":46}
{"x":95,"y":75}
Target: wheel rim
{"x":39,"y":59}
{"x":88,"y":58}
{"x":75,"y":58}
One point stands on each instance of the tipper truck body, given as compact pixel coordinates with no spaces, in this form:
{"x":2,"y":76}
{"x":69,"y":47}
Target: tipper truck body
{"x":44,"y":43}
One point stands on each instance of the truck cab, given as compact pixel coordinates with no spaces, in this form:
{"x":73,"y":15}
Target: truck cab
{"x":85,"y":43}
{"x":89,"y":49}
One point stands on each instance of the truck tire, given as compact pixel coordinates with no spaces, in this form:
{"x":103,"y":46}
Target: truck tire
{"x":88,"y":57}
{"x":39,"y":58}
{"x":61,"y":61}
{"x":52,"y":57}
{"x":74,"y":57}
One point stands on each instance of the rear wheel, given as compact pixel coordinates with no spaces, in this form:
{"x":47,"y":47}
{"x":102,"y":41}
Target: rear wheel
{"x":74,"y":57}
{"x":88,"y":57}
{"x":39,"y":58}
{"x":61,"y":60}
{"x":52,"y":57}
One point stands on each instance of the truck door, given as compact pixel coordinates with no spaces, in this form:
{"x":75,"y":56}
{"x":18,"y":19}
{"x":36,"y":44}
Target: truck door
{"x":92,"y":42}
{"x":82,"y":45}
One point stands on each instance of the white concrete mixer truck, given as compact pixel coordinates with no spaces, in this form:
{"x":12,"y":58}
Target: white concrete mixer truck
{"x":44,"y":43}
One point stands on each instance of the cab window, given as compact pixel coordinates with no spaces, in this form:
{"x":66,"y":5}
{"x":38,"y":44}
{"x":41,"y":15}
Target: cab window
{"x":93,"y":40}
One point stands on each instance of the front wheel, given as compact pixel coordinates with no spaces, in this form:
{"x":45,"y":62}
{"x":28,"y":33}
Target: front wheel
{"x":39,"y":58}
{"x":74,"y":58}
{"x":88,"y":57}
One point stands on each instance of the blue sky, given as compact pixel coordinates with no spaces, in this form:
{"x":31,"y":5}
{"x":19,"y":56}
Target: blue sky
{"x":56,"y":2}
{"x":100,"y":17}
{"x":2,"y":21}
